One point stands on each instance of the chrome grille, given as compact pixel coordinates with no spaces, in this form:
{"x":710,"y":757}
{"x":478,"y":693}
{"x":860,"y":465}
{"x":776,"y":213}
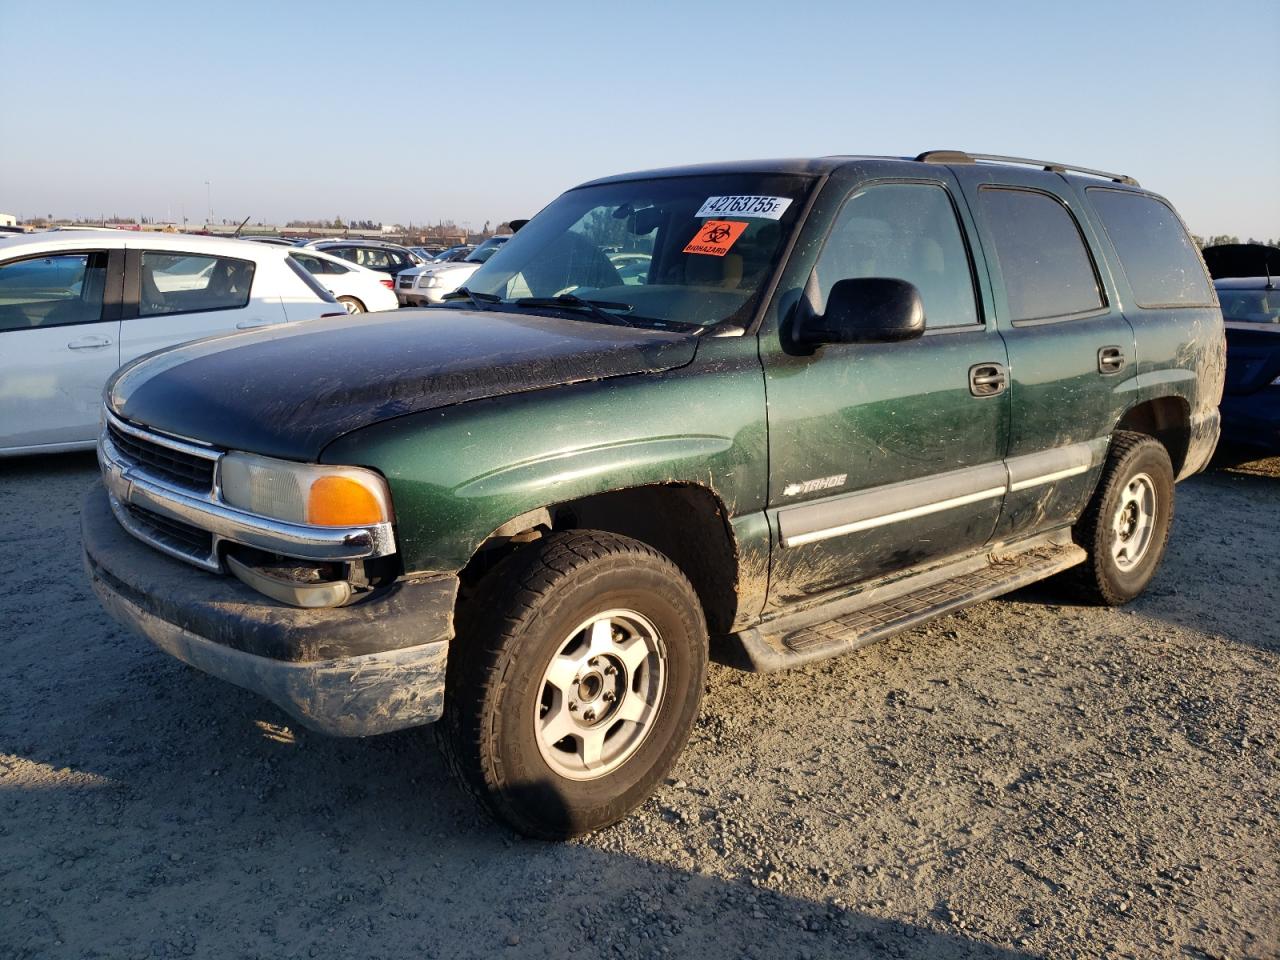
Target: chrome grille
{"x":406,"y":283}
{"x":178,"y":467}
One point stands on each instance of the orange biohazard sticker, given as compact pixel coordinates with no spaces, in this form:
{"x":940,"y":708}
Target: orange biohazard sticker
{"x":715,"y":237}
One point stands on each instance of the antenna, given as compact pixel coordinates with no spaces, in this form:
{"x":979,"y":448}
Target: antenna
{"x":236,"y":235}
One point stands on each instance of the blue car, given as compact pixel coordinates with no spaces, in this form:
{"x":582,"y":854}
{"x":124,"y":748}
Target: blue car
{"x":1251,"y":311}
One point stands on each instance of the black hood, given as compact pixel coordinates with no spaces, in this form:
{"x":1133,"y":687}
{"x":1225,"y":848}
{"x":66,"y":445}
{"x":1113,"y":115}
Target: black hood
{"x":1242,"y":260}
{"x":289,"y":391}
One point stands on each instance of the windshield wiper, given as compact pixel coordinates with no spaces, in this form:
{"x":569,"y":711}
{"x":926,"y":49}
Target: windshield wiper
{"x":462,"y":293}
{"x":568,"y":301}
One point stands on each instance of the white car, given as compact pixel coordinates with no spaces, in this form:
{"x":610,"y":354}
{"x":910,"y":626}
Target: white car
{"x":358,"y":289}
{"x":75,"y":305}
{"x":429,"y":283}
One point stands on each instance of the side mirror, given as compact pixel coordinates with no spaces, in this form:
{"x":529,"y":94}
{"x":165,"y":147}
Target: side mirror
{"x":867,"y":310}
{"x":517,"y":224}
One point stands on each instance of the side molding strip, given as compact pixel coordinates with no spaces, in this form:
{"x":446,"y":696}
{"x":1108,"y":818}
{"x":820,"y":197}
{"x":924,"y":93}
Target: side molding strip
{"x":1048,"y":477}
{"x":879,"y":506}
{"x":887,"y":518}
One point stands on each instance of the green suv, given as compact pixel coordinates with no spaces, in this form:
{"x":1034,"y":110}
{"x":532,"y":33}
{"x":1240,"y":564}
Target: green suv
{"x":841,"y":396}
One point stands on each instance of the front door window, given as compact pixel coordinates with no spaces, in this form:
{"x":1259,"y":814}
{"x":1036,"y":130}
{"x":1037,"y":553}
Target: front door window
{"x":52,"y":291}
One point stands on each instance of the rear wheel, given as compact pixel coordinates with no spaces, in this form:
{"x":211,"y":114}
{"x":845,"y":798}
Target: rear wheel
{"x":574,"y":682}
{"x":351,"y":304}
{"x":1126,"y":526}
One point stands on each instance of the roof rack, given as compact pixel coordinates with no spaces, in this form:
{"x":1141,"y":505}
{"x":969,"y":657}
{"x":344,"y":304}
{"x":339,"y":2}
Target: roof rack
{"x":960,"y":156}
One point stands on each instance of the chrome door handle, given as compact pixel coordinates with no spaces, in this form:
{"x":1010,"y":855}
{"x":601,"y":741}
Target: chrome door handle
{"x":250,"y":324}
{"x":988,"y":379}
{"x":1110,"y":359}
{"x":89,"y":343}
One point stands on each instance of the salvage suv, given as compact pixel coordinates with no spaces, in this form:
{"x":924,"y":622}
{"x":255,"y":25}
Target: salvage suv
{"x":849,"y":394}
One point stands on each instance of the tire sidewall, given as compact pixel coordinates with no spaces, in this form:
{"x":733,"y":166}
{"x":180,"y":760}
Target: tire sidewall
{"x":1151,"y":459}
{"x":527,"y":784}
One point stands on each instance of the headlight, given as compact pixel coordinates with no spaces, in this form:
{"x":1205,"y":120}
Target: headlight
{"x":429,"y":280}
{"x":304,"y":492}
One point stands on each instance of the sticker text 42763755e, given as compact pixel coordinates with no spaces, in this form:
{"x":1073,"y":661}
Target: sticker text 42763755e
{"x":765,"y":208}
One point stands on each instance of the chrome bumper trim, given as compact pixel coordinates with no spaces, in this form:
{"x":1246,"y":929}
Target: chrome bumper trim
{"x":129,"y":484}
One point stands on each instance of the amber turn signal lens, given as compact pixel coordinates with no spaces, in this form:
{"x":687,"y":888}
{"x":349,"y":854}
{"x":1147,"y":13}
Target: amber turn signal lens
{"x":342,"y":502}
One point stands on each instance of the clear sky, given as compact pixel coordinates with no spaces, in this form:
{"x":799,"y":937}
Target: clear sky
{"x":485,"y":111}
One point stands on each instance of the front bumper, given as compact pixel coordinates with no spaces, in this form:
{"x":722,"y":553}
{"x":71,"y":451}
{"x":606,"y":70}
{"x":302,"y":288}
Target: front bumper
{"x":367,"y":668}
{"x":421,"y":296}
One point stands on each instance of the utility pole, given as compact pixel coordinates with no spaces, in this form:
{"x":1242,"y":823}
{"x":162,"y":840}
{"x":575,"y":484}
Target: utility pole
{"x":208,"y":192}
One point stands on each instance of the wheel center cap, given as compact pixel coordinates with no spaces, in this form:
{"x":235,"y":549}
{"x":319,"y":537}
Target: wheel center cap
{"x":590,"y":686}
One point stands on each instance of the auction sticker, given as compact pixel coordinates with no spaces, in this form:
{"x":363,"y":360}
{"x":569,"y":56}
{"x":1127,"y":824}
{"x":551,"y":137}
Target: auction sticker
{"x":765,"y":208}
{"x":715,"y":237}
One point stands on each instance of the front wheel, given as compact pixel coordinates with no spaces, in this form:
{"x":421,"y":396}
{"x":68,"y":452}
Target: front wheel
{"x":1125,"y":528}
{"x":574,"y":681}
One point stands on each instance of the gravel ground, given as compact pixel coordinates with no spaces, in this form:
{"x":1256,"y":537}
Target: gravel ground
{"x":1027,"y":778}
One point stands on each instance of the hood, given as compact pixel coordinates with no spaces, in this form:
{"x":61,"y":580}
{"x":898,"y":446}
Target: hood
{"x":1242,"y":260}
{"x":434,"y":268}
{"x":451,"y":266}
{"x":289,"y":391}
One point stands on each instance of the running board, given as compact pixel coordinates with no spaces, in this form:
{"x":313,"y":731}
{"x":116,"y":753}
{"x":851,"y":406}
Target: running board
{"x":833,"y":628}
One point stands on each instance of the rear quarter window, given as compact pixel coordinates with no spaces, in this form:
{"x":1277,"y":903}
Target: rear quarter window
{"x":1156,"y":254}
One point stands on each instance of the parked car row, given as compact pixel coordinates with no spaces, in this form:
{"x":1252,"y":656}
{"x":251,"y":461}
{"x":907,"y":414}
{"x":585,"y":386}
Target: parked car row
{"x":358,"y":289}
{"x":76,"y":305}
{"x":419,"y":276}
{"x":428,"y":283}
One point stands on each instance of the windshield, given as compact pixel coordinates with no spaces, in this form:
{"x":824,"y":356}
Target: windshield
{"x":1250,"y":306}
{"x":486,"y":250}
{"x":684,"y":250}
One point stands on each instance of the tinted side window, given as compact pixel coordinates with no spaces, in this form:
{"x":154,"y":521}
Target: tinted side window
{"x":1250,"y":306}
{"x":372,"y":258}
{"x":1047,"y":268}
{"x":52,"y":291}
{"x":191,"y":283}
{"x":313,"y":265}
{"x":1155,"y":252}
{"x":907,"y":231}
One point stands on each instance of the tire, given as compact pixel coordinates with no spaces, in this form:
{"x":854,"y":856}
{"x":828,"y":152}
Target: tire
{"x":1124,"y":554}
{"x":352,"y":304}
{"x":504,"y":688}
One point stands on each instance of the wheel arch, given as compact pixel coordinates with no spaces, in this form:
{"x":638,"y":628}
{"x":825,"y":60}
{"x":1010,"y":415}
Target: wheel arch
{"x":686,"y":522}
{"x":1168,"y":420}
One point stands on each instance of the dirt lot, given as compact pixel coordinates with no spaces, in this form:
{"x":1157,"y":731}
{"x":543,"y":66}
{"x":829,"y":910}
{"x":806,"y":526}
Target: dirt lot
{"x":1028,"y":778}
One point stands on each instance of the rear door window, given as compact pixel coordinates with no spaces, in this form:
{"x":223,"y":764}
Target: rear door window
{"x":1158,"y":258}
{"x":192,"y":283}
{"x":1047,"y":269}
{"x":372,"y":258}
{"x":319,"y":267}
{"x":52,"y":291}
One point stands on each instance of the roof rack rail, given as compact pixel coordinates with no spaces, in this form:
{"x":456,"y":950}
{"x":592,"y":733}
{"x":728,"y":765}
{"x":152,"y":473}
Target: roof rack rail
{"x":960,"y":156}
